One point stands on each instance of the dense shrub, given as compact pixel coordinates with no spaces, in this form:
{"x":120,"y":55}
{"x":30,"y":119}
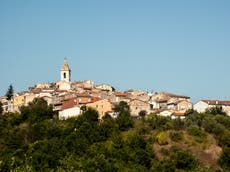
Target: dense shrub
{"x":184,"y":160}
{"x":175,"y":136}
{"x":162,"y":138}
{"x":223,"y":120}
{"x":224,"y":159}
{"x":208,"y":124}
{"x":224,"y":139}
{"x":34,"y":140}
{"x":193,"y":118}
{"x":216,"y":111}
{"x":195,"y":131}
{"x":160,"y":122}
{"x":166,"y":165}
{"x":178,"y":124}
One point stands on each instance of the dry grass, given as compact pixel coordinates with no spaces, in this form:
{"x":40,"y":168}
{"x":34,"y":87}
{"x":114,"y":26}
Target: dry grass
{"x":207,"y":152}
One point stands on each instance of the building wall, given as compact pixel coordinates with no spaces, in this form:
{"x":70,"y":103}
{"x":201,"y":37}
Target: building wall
{"x":65,"y":75}
{"x":8,"y":106}
{"x":102,"y":106}
{"x":200,"y":106}
{"x":165,"y":113}
{"x":137,"y":105}
{"x":29,"y":98}
{"x":154,"y":105}
{"x":184,"y":106}
{"x":68,"y":113}
{"x":18,"y":101}
{"x":227,"y":110}
{"x":63,"y":85}
{"x":104,"y":87}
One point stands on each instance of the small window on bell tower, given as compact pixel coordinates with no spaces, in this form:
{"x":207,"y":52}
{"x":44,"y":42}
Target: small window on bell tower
{"x":64,"y":75}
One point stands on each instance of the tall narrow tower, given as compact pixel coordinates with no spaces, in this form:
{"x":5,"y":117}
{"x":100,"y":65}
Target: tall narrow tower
{"x":65,"y":72}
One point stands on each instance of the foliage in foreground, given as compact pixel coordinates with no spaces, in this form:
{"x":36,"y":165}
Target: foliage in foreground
{"x":35,"y":140}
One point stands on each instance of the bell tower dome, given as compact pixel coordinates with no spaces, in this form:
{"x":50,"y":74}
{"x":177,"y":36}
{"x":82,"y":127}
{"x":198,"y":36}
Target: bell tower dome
{"x":65,"y":72}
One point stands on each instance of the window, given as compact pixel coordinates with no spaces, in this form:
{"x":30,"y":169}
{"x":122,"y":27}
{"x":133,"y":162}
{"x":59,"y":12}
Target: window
{"x":64,"y":75}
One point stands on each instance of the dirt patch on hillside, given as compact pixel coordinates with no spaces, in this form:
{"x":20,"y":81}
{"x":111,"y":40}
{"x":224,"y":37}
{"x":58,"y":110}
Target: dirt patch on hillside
{"x":207,"y":152}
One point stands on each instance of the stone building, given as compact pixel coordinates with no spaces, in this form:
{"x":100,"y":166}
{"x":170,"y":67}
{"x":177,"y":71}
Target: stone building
{"x":138,"y":105}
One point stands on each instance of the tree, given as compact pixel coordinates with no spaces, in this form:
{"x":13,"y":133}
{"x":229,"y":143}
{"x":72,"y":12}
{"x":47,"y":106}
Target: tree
{"x":121,"y":107}
{"x":184,"y":160}
{"x":90,"y":115}
{"x":10,"y":92}
{"x":166,"y":165}
{"x":216,"y":111}
{"x":38,"y":110}
{"x":224,"y":160}
{"x":83,"y":108}
{"x":142,"y":114}
{"x":124,"y":121}
{"x":1,"y":109}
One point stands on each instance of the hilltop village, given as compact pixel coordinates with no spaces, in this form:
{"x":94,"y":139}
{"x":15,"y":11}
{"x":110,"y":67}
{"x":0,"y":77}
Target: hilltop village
{"x":68,"y":99}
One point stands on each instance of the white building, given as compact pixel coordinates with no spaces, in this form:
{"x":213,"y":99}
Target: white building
{"x":203,"y":105}
{"x":69,"y":109}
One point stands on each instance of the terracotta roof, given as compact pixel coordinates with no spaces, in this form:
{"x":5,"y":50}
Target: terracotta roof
{"x":95,"y":99}
{"x":69,"y":104}
{"x":217,"y":102}
{"x":177,"y":113}
{"x":120,"y":94}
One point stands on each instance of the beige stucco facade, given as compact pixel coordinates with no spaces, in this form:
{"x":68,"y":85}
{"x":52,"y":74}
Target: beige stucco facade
{"x":105,"y":87}
{"x":18,"y":101}
{"x":102,"y":106}
{"x":184,"y":106}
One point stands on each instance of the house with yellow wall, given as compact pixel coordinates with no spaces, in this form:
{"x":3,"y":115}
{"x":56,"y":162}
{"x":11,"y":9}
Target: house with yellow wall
{"x":102,"y":106}
{"x":18,"y":101}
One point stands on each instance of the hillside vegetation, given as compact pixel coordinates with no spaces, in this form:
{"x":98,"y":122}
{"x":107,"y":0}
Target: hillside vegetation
{"x":35,"y":140}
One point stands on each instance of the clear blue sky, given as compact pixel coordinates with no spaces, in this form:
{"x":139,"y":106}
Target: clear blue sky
{"x":179,"y":46}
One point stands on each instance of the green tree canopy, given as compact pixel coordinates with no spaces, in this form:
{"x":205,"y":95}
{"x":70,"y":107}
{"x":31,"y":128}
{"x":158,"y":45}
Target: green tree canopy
{"x":36,"y":111}
{"x":142,"y":114}
{"x":121,"y":107}
{"x":10,"y":92}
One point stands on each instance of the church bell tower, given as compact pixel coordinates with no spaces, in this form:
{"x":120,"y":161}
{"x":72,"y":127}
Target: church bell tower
{"x":65,"y":72}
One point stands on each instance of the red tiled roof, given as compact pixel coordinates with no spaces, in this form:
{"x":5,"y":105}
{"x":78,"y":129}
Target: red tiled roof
{"x":217,"y":102}
{"x":95,"y":99}
{"x":120,"y":94}
{"x":69,"y":104}
{"x":177,"y":113}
